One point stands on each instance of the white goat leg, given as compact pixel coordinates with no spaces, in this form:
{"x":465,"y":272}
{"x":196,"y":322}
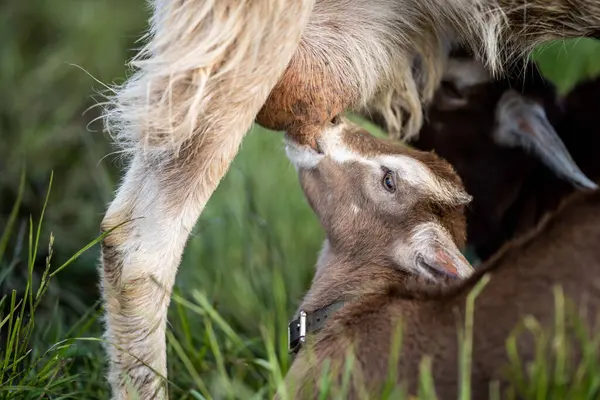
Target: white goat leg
{"x":183,"y":116}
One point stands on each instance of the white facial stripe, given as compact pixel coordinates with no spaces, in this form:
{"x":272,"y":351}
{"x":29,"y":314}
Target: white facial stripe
{"x":409,"y":169}
{"x":333,"y":145}
{"x":419,"y":176}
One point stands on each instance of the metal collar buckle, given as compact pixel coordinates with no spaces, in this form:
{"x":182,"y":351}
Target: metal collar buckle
{"x":309,"y":323}
{"x":297,"y":333}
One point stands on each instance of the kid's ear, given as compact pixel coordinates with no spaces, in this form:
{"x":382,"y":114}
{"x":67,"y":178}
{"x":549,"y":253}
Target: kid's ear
{"x":436,"y":253}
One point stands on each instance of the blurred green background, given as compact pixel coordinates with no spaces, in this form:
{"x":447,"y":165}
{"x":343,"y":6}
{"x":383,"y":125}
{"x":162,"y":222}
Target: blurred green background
{"x":252,"y":253}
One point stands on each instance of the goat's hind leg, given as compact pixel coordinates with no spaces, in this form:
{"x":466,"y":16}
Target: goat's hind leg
{"x":140,"y":259}
{"x":208,"y":69}
{"x":151,"y":218}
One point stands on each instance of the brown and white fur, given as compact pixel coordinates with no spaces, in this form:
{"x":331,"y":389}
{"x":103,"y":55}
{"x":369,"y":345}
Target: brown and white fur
{"x":374,"y":239}
{"x":208,"y":67}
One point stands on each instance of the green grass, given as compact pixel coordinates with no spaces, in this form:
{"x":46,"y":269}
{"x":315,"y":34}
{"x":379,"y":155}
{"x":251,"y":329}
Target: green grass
{"x":244,"y":271}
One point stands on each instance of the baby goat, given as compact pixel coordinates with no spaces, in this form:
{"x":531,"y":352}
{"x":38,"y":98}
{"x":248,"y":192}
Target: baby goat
{"x":210,"y":68}
{"x":499,"y":136}
{"x":390,"y":213}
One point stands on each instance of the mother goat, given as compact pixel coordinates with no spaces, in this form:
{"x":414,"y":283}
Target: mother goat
{"x":209,"y":68}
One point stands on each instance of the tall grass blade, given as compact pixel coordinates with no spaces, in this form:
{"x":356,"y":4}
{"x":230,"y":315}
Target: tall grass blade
{"x":466,"y":340}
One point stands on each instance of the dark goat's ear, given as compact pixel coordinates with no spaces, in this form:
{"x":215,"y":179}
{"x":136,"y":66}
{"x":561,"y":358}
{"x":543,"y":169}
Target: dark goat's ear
{"x":522,"y":122}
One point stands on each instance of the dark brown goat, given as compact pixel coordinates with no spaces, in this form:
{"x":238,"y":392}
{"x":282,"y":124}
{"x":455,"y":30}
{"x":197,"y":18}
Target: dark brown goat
{"x":503,"y":175}
{"x":377,"y":229}
{"x":579,"y":130}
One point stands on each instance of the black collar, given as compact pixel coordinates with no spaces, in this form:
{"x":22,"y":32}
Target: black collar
{"x":309,"y":323}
